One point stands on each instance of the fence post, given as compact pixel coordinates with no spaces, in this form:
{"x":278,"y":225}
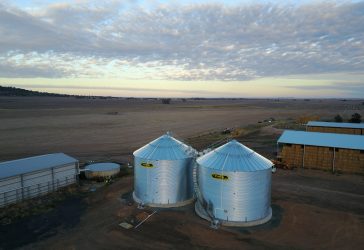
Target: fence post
{"x":303,"y":157}
{"x":333,"y":162}
{"x":53,"y":178}
{"x":77,"y":166}
{"x":22,"y":186}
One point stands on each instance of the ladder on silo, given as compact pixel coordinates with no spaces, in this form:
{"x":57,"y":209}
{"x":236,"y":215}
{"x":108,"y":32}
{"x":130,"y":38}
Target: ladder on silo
{"x":201,"y":200}
{"x":195,"y":183}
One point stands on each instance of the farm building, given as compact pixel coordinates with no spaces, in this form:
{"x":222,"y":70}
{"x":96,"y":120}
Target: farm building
{"x":326,"y":151}
{"x":34,"y":176}
{"x":336,"y":127}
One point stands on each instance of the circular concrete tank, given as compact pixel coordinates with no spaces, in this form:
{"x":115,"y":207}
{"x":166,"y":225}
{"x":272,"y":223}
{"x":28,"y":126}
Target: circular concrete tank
{"x":102,"y":170}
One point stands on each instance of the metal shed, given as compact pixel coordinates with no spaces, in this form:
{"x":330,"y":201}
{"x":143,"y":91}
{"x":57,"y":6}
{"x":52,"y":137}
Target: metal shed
{"x":163,"y":173}
{"x":235,"y":186}
{"x":335,"y":127}
{"x":34,"y":176}
{"x":326,"y":151}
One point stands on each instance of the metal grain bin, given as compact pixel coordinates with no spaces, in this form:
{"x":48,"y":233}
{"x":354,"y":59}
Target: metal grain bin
{"x":235,"y":186}
{"x":163,"y":173}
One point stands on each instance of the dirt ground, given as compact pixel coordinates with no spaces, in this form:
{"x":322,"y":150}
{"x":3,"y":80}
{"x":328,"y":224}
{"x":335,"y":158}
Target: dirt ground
{"x":94,"y":129}
{"x":311,"y":209}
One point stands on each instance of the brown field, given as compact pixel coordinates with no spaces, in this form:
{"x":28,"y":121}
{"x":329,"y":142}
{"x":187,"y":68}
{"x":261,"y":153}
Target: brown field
{"x":311,"y":209}
{"x":102,"y":129}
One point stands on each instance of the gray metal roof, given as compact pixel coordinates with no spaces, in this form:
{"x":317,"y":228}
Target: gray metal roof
{"x":322,"y":139}
{"x":234,"y":156}
{"x":165,"y":148}
{"x":35,"y":163}
{"x":104,"y":166}
{"x":335,"y":124}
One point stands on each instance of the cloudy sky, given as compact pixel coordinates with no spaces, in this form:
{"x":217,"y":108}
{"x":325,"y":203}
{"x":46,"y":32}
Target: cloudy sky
{"x":184,"y":48}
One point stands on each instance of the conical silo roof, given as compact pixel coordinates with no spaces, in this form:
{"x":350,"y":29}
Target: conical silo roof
{"x":234,"y":156}
{"x":165,"y":148}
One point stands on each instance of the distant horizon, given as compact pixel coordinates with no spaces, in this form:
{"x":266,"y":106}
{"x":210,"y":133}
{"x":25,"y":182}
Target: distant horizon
{"x":190,"y":97}
{"x":179,"y":49}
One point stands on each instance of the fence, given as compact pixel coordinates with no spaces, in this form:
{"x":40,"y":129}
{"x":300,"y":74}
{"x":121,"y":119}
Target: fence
{"x":19,"y":194}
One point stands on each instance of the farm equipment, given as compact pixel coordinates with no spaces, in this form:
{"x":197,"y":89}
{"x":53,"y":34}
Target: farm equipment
{"x":282,"y":165}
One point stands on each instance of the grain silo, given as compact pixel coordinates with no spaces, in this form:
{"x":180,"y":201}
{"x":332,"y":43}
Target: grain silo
{"x":163,"y":173}
{"x":234,"y":185}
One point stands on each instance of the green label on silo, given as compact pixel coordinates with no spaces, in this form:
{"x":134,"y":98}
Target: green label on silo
{"x":147,"y":165}
{"x":220,"y":177}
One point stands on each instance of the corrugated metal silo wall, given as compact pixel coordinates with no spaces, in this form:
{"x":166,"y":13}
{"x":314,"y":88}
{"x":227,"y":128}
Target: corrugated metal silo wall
{"x":163,"y":182}
{"x":105,"y":173}
{"x":236,"y":196}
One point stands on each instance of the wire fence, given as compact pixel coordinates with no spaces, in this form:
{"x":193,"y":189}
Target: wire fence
{"x":27,"y":192}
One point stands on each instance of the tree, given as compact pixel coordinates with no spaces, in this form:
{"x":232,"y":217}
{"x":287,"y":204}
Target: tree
{"x":166,"y":100}
{"x":355,"y":118}
{"x":338,"y":118}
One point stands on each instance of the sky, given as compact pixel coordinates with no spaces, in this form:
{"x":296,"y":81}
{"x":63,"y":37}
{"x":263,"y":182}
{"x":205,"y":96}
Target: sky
{"x":152,"y":48}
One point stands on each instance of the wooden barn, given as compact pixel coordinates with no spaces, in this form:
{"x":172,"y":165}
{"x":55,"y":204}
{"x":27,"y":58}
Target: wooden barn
{"x":326,"y":151}
{"x":336,"y":127}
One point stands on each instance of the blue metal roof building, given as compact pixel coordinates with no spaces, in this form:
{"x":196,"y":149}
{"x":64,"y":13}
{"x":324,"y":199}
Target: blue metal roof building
{"x":323,"y":139}
{"x":326,"y":151}
{"x":336,"y":124}
{"x":34,"y":176}
{"x":35,"y":163}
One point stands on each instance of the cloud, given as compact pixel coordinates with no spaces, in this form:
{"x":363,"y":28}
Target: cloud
{"x":181,"y":42}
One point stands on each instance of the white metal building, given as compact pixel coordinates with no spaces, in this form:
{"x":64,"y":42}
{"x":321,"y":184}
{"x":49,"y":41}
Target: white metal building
{"x":34,"y":176}
{"x":322,"y":139}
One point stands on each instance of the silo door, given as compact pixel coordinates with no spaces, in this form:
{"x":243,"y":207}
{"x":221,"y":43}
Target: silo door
{"x":220,"y":213}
